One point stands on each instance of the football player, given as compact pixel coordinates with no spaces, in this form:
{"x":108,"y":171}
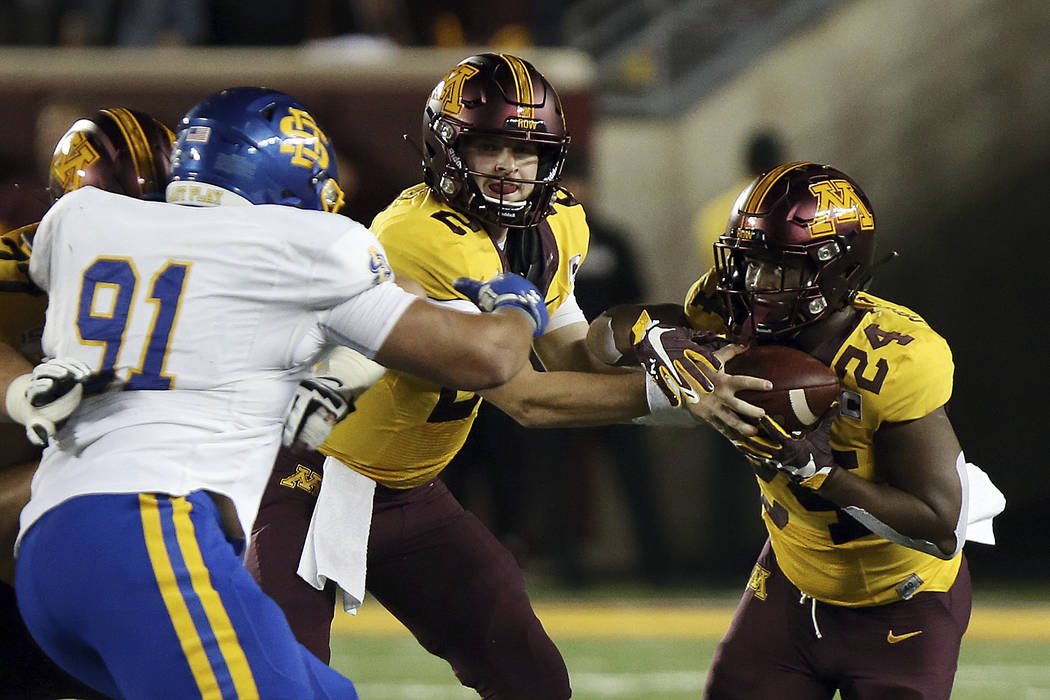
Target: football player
{"x":121,"y":150}
{"x":186,"y":326}
{"x":862,"y":586}
{"x":494,"y":142}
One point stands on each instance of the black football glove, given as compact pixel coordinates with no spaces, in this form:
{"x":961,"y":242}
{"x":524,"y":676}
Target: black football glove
{"x":806,"y":458}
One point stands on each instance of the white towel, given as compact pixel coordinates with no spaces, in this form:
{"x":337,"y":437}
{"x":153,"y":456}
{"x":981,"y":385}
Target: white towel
{"x":985,"y":502}
{"x":337,"y":541}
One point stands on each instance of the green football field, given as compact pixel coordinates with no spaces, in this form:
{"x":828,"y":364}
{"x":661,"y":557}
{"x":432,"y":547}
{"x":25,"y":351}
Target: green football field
{"x":659,"y":648}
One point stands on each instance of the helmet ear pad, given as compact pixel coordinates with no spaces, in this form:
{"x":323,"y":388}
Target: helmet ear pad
{"x":260,"y":144}
{"x":812,"y":214}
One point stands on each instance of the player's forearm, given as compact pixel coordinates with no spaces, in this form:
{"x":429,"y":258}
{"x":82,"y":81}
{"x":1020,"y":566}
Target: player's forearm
{"x":12,"y":365}
{"x":466,"y":351}
{"x":571,"y":399}
{"x":609,"y":335}
{"x":905,"y":513}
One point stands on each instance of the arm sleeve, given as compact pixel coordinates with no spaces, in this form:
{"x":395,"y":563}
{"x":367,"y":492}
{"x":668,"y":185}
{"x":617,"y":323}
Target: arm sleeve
{"x":926,"y":547}
{"x":364,"y":321}
{"x":40,"y":258}
{"x":569,"y":312}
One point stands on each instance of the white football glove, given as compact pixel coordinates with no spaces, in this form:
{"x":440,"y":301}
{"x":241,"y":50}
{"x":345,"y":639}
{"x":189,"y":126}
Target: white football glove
{"x":321,"y":402}
{"x":43,"y":399}
{"x":318,"y":404}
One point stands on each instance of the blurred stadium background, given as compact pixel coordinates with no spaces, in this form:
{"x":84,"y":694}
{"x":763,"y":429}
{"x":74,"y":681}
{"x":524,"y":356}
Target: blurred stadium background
{"x":939,"y":108}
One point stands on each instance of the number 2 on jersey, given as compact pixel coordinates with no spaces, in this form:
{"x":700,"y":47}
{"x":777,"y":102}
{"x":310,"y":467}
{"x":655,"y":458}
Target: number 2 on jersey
{"x":449,"y":409}
{"x":109,"y":327}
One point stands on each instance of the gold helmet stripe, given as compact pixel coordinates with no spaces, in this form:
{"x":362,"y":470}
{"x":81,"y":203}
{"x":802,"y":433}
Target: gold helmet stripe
{"x":522,"y":84}
{"x":762,"y":187}
{"x":141,"y":153}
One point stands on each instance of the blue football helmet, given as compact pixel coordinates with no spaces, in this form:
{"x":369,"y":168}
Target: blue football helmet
{"x":260,"y":144}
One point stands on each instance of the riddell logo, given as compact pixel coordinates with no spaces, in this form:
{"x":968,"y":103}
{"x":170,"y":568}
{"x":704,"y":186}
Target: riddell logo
{"x":837,"y":202}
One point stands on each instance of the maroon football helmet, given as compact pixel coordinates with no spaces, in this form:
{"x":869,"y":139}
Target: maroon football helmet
{"x":117,"y":149}
{"x":815,"y":226}
{"x":493,"y":95}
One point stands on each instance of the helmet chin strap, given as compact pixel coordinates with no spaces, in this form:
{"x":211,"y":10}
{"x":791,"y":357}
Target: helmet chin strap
{"x":503,"y":203}
{"x":749,"y":327}
{"x":501,"y":207}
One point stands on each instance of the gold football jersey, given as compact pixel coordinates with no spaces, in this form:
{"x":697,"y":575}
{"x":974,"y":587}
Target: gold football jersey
{"x":405,"y":430}
{"x":22,"y":319}
{"x":699,"y":304}
{"x":892,"y":367}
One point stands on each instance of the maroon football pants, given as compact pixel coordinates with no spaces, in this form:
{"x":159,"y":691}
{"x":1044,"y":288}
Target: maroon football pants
{"x":782,"y":646}
{"x":432,"y":564}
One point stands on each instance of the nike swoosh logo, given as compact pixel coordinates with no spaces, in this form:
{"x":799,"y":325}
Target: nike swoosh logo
{"x":894,"y":638}
{"x":690,"y":395}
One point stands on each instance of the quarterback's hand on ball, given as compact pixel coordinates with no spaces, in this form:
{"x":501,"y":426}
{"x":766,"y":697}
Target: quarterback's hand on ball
{"x":506,"y":289}
{"x":806,"y":458}
{"x":318,"y":404}
{"x":43,"y":399}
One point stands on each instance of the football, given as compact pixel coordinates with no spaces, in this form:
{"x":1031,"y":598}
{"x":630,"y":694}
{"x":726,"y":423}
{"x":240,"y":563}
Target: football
{"x":803,"y":387}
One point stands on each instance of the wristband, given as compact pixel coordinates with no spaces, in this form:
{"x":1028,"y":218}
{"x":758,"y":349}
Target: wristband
{"x":606,"y":350}
{"x":661,"y":412}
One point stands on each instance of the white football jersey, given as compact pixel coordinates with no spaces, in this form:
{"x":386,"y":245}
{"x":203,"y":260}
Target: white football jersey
{"x":199,"y":323}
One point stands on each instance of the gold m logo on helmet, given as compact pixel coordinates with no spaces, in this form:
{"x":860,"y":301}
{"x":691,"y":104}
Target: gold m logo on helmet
{"x":305,"y":141}
{"x":450,"y":90}
{"x":71,"y":161}
{"x":837,"y":201}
